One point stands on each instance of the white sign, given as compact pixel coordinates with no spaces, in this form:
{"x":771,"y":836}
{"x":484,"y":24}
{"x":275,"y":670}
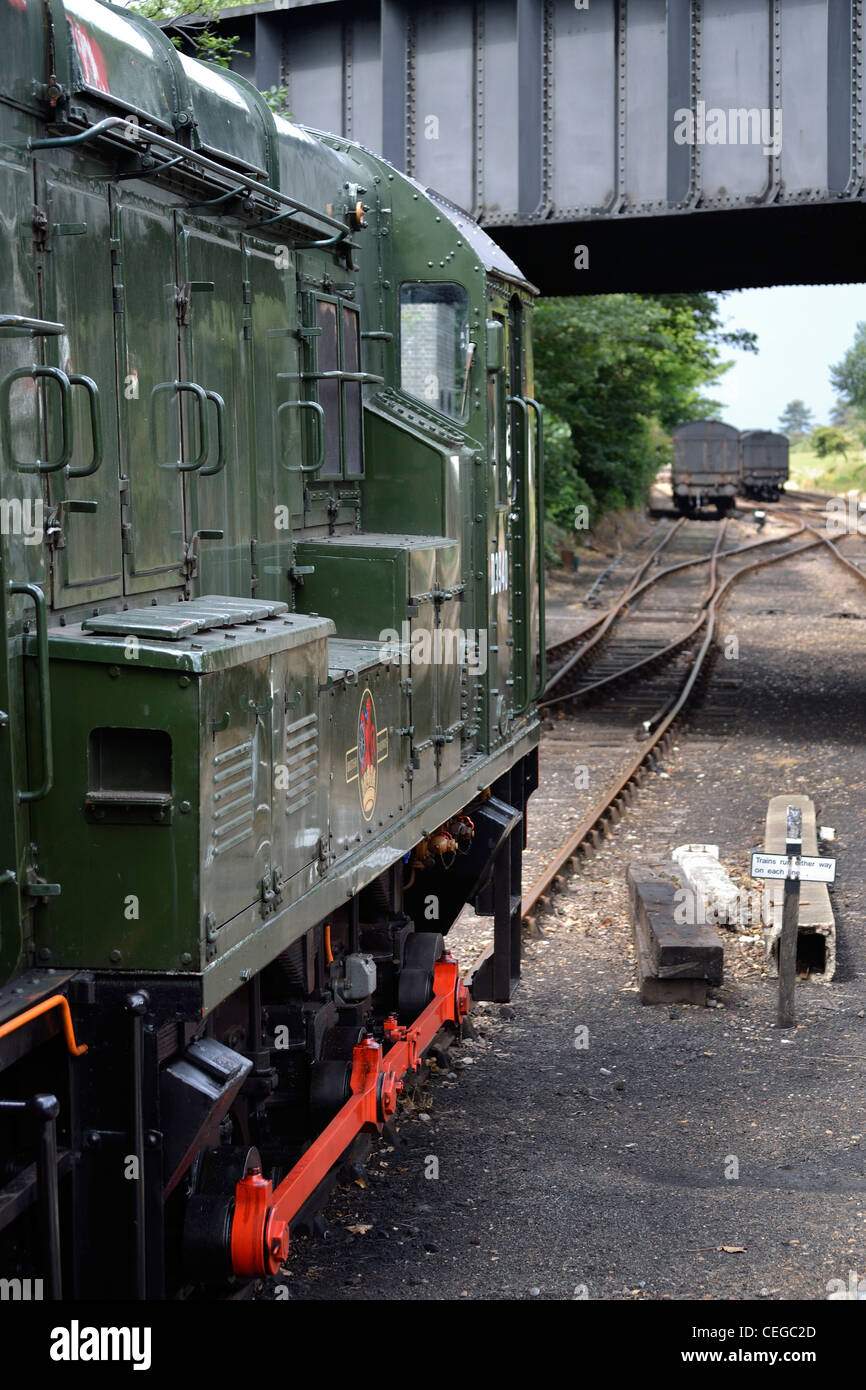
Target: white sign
{"x":807,"y":868}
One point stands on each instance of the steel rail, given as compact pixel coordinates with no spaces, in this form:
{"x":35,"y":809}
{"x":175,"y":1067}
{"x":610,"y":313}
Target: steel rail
{"x":714,"y":559}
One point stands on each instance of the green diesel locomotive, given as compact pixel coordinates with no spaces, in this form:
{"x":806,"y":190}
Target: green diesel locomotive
{"x":271,"y":634}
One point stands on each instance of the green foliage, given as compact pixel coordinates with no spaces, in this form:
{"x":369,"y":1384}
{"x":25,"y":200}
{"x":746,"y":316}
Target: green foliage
{"x":832,"y":473}
{"x":215,"y":48}
{"x":849,"y":375}
{"x":827,"y":439}
{"x":278,"y":100}
{"x":796,"y":420}
{"x":616,"y":374}
{"x":844,"y":416}
{"x":192,"y":21}
{"x":564,"y":488}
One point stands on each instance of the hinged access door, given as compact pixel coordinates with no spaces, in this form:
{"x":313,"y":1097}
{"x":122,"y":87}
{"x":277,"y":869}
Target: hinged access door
{"x":83,"y":498}
{"x":277,"y":456}
{"x":26,"y":399}
{"x":236,"y":787}
{"x":214,"y":299}
{"x":150,"y":388}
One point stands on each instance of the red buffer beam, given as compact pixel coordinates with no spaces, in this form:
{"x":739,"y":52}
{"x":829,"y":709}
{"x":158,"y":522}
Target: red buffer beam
{"x":263,"y":1214}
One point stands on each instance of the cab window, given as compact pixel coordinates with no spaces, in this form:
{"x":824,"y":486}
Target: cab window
{"x":328,"y":360}
{"x":434,"y":345}
{"x":351,"y":344}
{"x":338,"y":350}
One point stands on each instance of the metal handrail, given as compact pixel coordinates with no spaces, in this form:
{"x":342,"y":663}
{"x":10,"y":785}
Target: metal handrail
{"x":539,"y":482}
{"x":524,"y":410}
{"x":365,"y":378}
{"x":19,"y":326}
{"x":152,"y":137}
{"x":33,"y":591}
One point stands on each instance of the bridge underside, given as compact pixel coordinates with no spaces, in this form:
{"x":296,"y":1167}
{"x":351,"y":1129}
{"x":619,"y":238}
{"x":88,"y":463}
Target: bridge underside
{"x":601,"y":123}
{"x":814,"y":245}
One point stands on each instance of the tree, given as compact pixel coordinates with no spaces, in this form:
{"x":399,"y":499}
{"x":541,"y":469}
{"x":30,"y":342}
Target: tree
{"x":611,"y":370}
{"x":849,"y":376}
{"x":844,"y":416}
{"x":796,"y":420}
{"x":193,"y":21}
{"x":827,"y":439}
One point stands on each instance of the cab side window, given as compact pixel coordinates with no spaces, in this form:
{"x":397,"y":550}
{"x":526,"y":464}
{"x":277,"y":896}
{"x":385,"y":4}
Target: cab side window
{"x":328,"y":360}
{"x":352,"y":429}
{"x":435,"y":357}
{"x":338,"y":353}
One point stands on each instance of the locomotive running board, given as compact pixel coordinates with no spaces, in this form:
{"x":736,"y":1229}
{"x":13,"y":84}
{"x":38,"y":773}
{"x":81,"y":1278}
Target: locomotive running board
{"x":263,"y":1213}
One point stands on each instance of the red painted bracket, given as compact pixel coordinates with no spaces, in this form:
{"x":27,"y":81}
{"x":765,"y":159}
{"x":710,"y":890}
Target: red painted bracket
{"x":263,"y":1213}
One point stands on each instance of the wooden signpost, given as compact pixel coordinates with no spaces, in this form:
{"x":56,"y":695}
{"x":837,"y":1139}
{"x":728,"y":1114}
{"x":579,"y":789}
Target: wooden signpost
{"x":794,"y":868}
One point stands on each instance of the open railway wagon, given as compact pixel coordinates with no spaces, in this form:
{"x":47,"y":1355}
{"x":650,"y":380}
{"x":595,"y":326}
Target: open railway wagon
{"x":763,"y":464}
{"x":706,"y":467}
{"x":270,"y":641}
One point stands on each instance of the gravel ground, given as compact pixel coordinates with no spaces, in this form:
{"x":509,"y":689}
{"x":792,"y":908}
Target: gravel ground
{"x":683,"y":1153}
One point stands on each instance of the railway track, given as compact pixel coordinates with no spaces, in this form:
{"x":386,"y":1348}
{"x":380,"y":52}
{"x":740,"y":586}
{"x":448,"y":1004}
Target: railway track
{"x":652,"y":619}
{"x":573,"y":651}
{"x":692,"y":541}
{"x":643,"y":622}
{"x":637,"y":671}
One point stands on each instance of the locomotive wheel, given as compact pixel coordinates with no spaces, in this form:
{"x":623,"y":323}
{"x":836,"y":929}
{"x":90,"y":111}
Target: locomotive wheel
{"x":207,"y":1226}
{"x":415,"y":987}
{"x":331,"y":1075}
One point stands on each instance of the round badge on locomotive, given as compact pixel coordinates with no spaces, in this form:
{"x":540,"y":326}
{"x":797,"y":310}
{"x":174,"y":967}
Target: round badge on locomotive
{"x":368,"y":750}
{"x":367,"y":754}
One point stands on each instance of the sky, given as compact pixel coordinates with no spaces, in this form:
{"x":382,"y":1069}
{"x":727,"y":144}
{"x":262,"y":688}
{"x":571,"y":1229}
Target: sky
{"x":802,"y":331}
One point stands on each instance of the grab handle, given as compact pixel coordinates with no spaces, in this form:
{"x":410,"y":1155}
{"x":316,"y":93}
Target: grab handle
{"x":320,"y":436}
{"x":221,"y":433}
{"x":33,"y":591}
{"x":199,"y":393}
{"x":48,"y":374}
{"x":92,"y":390}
